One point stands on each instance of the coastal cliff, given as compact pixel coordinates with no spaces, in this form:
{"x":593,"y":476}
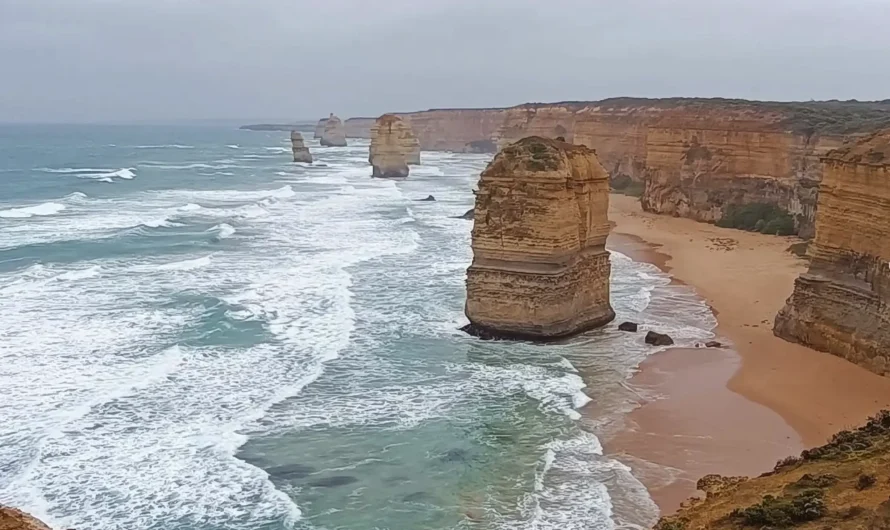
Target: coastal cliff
{"x":842,"y":304}
{"x":540,"y":270}
{"x":843,"y":485}
{"x":334,"y":133}
{"x":359,"y":127}
{"x":13,"y":519}
{"x":697,"y":158}
{"x":301,"y":152}
{"x":393,"y":147}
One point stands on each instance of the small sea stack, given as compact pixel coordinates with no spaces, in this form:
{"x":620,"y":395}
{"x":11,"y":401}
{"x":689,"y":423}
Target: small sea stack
{"x":319,"y":128}
{"x":334,"y":133}
{"x":393,"y":147}
{"x":301,"y":152}
{"x":540,"y":269}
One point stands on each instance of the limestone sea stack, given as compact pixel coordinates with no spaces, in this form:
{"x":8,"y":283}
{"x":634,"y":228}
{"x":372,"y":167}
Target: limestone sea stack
{"x":393,"y":147}
{"x":540,"y":269}
{"x":842,"y":304}
{"x":301,"y":152}
{"x":319,"y":128}
{"x":334,"y":133}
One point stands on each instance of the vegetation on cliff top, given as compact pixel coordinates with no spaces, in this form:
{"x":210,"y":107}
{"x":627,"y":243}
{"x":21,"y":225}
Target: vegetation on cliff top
{"x":758,"y":217}
{"x":843,"y":485}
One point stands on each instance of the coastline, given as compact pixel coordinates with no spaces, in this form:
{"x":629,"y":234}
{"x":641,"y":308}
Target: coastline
{"x":738,"y":409}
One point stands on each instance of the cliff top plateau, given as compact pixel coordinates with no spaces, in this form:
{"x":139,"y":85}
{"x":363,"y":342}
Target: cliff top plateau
{"x":871,"y":150}
{"x":843,"y":485}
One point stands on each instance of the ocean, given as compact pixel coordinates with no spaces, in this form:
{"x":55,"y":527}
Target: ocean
{"x":198,"y":334}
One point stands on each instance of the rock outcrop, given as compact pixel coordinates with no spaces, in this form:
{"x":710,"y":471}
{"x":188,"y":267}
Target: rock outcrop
{"x":13,"y":519}
{"x":319,"y":128}
{"x":843,"y":485}
{"x":334,"y":133}
{"x":540,"y":270}
{"x":301,"y":152}
{"x":393,"y":147}
{"x":842,"y":304}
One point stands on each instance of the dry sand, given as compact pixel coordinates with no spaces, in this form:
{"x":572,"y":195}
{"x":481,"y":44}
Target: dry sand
{"x":730,"y":411}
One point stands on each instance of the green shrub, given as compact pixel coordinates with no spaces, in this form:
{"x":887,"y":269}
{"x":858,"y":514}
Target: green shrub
{"x":783,"y":512}
{"x":758,"y":217}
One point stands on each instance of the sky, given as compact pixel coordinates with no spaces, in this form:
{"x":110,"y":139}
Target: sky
{"x":179,"y":60}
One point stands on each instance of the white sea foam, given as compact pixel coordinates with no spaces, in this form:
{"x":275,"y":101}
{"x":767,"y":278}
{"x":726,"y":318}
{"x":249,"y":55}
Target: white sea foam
{"x":72,"y":170}
{"x":191,"y":207}
{"x":224,"y":230}
{"x":234,"y":146}
{"x":82,"y":274}
{"x":47,"y":208}
{"x":126,"y":173}
{"x":164,"y":146}
{"x":186,"y":265}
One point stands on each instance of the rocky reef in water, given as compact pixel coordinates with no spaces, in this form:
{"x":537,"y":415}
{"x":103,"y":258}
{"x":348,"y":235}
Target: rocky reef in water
{"x":540,"y":270}
{"x":13,"y":519}
{"x":333,"y":133}
{"x":301,"y":152}
{"x":843,"y":485}
{"x":393,"y":147}
{"x":842,"y":304}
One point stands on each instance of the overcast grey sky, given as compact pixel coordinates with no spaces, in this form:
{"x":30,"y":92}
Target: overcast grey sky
{"x":121,"y":60}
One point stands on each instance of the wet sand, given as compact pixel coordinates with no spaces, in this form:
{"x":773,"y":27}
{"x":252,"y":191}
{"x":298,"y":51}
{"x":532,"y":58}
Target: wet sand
{"x":732,"y":411}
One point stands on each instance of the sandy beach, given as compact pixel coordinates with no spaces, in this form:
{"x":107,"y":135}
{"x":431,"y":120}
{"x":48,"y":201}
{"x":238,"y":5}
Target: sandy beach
{"x":738,"y":409}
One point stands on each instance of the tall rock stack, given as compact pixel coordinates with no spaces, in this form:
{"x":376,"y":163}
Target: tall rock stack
{"x":842,"y":304}
{"x":301,"y":152}
{"x":334,"y":134}
{"x":540,"y":269}
{"x":393,"y":147}
{"x":319,"y":128}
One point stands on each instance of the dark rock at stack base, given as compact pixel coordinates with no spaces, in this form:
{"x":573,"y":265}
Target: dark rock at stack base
{"x":429,"y":198}
{"x":713,"y":344}
{"x":469,"y":215}
{"x":628,"y":326}
{"x":658,"y":339}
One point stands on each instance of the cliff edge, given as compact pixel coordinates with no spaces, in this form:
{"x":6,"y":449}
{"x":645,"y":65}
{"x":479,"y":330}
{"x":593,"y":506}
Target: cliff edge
{"x":843,"y":485}
{"x":842,"y":304}
{"x":13,"y":519}
{"x":540,"y":270}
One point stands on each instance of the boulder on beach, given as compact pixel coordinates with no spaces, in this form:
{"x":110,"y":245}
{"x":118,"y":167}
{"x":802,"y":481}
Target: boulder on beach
{"x":628,"y":326}
{"x":658,"y":339}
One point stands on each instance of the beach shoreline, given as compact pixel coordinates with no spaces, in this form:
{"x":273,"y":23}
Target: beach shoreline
{"x":734,"y":410}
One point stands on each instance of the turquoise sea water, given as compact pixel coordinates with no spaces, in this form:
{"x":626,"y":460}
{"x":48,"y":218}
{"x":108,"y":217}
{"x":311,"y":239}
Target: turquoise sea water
{"x":197,"y":333}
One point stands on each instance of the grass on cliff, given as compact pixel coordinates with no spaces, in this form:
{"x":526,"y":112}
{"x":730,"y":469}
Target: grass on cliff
{"x":758,"y":217}
{"x":843,"y":485}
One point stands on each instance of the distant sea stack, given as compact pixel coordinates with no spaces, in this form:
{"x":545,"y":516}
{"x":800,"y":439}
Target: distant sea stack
{"x":540,"y":269}
{"x":319,"y":128}
{"x":393,"y":147}
{"x":842,"y":304}
{"x":301,"y":152}
{"x":334,"y":133}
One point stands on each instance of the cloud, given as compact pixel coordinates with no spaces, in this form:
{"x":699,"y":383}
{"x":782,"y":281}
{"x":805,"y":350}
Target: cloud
{"x":122,"y":60}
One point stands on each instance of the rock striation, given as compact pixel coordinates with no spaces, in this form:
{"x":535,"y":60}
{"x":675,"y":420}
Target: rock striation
{"x":13,"y":519}
{"x":301,"y":152}
{"x":540,"y":270}
{"x":393,"y":147}
{"x":842,"y":304}
{"x":334,"y":133}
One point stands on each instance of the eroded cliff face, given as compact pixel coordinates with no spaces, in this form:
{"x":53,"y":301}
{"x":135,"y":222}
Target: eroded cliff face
{"x":455,"y":129}
{"x":13,"y":519}
{"x":540,"y":270}
{"x":842,"y":304}
{"x":298,"y":146}
{"x":359,"y":127}
{"x":334,"y":133}
{"x":393,"y":147}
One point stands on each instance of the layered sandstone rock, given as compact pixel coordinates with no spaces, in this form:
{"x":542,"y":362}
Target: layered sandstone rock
{"x":301,"y":152}
{"x":334,"y":133}
{"x":540,"y":269}
{"x":842,"y":304}
{"x":393,"y":147}
{"x":319,"y":128}
{"x":13,"y":519}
